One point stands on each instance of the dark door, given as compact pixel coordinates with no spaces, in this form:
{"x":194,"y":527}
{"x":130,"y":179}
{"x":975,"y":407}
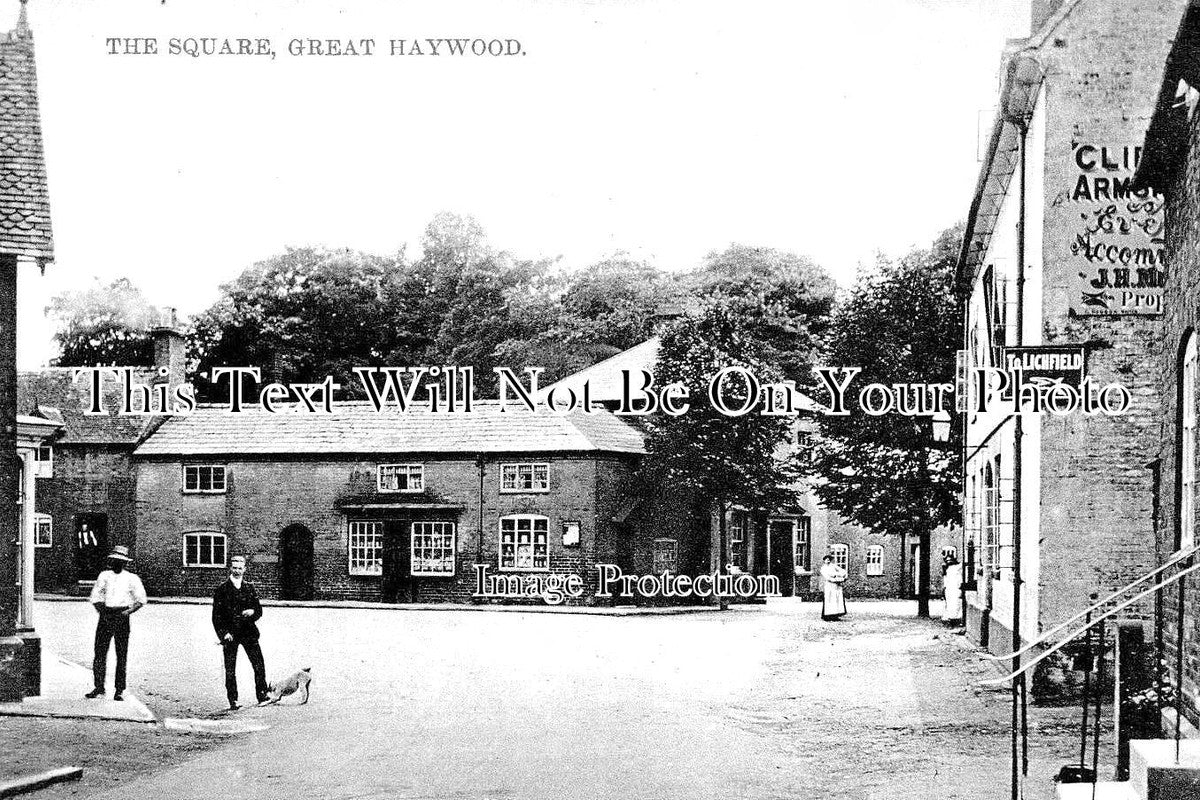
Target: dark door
{"x":91,"y":545}
{"x":296,"y":567}
{"x":783,"y":558}
{"x":397,"y":585}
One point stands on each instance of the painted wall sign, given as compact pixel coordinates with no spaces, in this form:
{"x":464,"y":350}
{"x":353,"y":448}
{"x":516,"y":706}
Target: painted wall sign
{"x":1117,"y":242}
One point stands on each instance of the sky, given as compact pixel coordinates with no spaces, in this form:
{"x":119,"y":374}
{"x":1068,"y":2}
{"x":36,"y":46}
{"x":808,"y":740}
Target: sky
{"x":662,"y":129}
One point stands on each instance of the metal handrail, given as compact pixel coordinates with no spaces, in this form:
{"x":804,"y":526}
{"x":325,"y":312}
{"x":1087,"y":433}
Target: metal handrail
{"x":1106,"y":615}
{"x":1180,"y":556}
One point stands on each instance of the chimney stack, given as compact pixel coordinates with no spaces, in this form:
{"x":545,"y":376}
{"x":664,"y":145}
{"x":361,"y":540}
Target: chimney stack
{"x":168,"y":349}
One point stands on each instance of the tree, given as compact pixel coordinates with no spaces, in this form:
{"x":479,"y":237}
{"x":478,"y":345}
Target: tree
{"x":103,"y":325}
{"x":901,"y":324}
{"x":729,"y":460}
{"x":303,"y":315}
{"x":783,"y":298}
{"x":583,"y":317}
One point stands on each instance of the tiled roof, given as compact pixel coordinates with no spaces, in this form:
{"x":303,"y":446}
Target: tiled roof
{"x":53,"y":394}
{"x":605,"y":379}
{"x":24,"y":198}
{"x":355,"y":427}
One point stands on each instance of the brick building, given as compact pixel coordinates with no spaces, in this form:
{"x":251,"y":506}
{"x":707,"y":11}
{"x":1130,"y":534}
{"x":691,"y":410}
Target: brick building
{"x":86,"y":479}
{"x":1171,"y":166}
{"x":399,"y":507}
{"x":1060,"y":251}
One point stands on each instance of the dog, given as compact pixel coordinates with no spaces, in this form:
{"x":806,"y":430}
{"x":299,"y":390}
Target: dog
{"x":290,"y":685}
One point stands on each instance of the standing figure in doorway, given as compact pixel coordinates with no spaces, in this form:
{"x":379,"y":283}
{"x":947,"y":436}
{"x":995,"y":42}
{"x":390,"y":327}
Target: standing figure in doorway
{"x":118,"y":593}
{"x":833,"y":606}
{"x":235,"y":611}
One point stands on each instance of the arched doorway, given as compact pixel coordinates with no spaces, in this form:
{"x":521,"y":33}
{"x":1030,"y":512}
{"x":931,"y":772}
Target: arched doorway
{"x":296,"y":563}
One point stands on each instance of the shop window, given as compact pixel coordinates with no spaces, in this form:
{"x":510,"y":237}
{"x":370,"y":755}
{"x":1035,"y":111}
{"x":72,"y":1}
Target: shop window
{"x":874,"y":560}
{"x":203,"y":479}
{"x":365,"y":544}
{"x":204,"y":549}
{"x":524,"y":542}
{"x":401,"y":477}
{"x":433,"y":548}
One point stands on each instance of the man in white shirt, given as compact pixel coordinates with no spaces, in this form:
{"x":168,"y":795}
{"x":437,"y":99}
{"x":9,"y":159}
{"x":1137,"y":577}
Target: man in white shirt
{"x":117,"y":594}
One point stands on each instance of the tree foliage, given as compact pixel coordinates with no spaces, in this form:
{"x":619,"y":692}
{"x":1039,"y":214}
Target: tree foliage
{"x":103,"y":325}
{"x":783,"y":299}
{"x":901,"y":324}
{"x":728,"y":459}
{"x":302,"y":315}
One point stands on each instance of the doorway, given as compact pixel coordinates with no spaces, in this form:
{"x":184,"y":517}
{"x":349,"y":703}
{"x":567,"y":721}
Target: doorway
{"x":91,"y":545}
{"x":781,"y":540}
{"x":396,"y":584}
{"x":296,"y":567}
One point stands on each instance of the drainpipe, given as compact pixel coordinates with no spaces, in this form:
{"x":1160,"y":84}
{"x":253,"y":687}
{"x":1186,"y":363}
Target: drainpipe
{"x":479,"y":538}
{"x":1025,"y":74}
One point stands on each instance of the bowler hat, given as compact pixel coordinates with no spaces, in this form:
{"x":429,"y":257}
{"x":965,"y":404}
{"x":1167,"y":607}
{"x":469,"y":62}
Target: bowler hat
{"x":120,"y":553}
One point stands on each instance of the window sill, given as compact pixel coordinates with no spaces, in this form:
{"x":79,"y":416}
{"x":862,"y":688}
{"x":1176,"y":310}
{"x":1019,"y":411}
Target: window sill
{"x":205,"y":566}
{"x":525,"y":569}
{"x":525,"y":491}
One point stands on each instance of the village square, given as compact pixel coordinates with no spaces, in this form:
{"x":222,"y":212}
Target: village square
{"x":535,"y":429}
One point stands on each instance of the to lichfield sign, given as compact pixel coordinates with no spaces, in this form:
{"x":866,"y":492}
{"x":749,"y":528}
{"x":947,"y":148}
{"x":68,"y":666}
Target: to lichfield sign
{"x":1117,"y":240}
{"x":1052,"y":363}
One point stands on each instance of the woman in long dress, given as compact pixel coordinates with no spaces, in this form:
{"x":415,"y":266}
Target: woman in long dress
{"x":833,"y":606}
{"x":952,"y":586}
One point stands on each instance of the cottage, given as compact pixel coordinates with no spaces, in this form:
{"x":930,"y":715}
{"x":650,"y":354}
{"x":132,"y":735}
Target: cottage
{"x":398,"y":507}
{"x":85,"y":478}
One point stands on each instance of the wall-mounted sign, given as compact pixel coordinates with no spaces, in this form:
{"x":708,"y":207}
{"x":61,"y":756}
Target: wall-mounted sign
{"x":1053,"y":363}
{"x":1117,"y":244}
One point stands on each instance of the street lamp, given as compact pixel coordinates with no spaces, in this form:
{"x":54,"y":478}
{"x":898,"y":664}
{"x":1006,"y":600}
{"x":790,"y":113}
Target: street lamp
{"x":941,"y":426}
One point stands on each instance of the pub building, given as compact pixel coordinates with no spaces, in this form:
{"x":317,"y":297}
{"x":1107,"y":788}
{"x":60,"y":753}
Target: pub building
{"x":1062,"y":267}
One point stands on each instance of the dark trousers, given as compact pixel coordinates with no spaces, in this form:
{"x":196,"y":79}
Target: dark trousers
{"x":112,"y":625}
{"x":254,"y":653}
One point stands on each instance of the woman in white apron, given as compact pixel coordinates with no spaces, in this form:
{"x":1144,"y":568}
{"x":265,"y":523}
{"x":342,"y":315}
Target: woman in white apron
{"x":952,"y":583}
{"x":833,"y":606}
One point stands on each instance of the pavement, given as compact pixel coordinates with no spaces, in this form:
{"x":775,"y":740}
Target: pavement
{"x":758,"y":702}
{"x":63,"y":686}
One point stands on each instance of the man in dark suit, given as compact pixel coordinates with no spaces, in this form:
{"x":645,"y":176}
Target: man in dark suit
{"x":235,"y":611}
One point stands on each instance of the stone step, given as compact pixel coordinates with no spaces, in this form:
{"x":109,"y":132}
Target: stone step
{"x":1156,"y":775}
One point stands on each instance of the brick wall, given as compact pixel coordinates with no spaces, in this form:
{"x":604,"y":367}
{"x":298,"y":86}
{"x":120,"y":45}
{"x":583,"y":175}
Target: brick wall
{"x":1181,"y":314}
{"x":1103,"y":67}
{"x":88,"y":479}
{"x":264,"y":497}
